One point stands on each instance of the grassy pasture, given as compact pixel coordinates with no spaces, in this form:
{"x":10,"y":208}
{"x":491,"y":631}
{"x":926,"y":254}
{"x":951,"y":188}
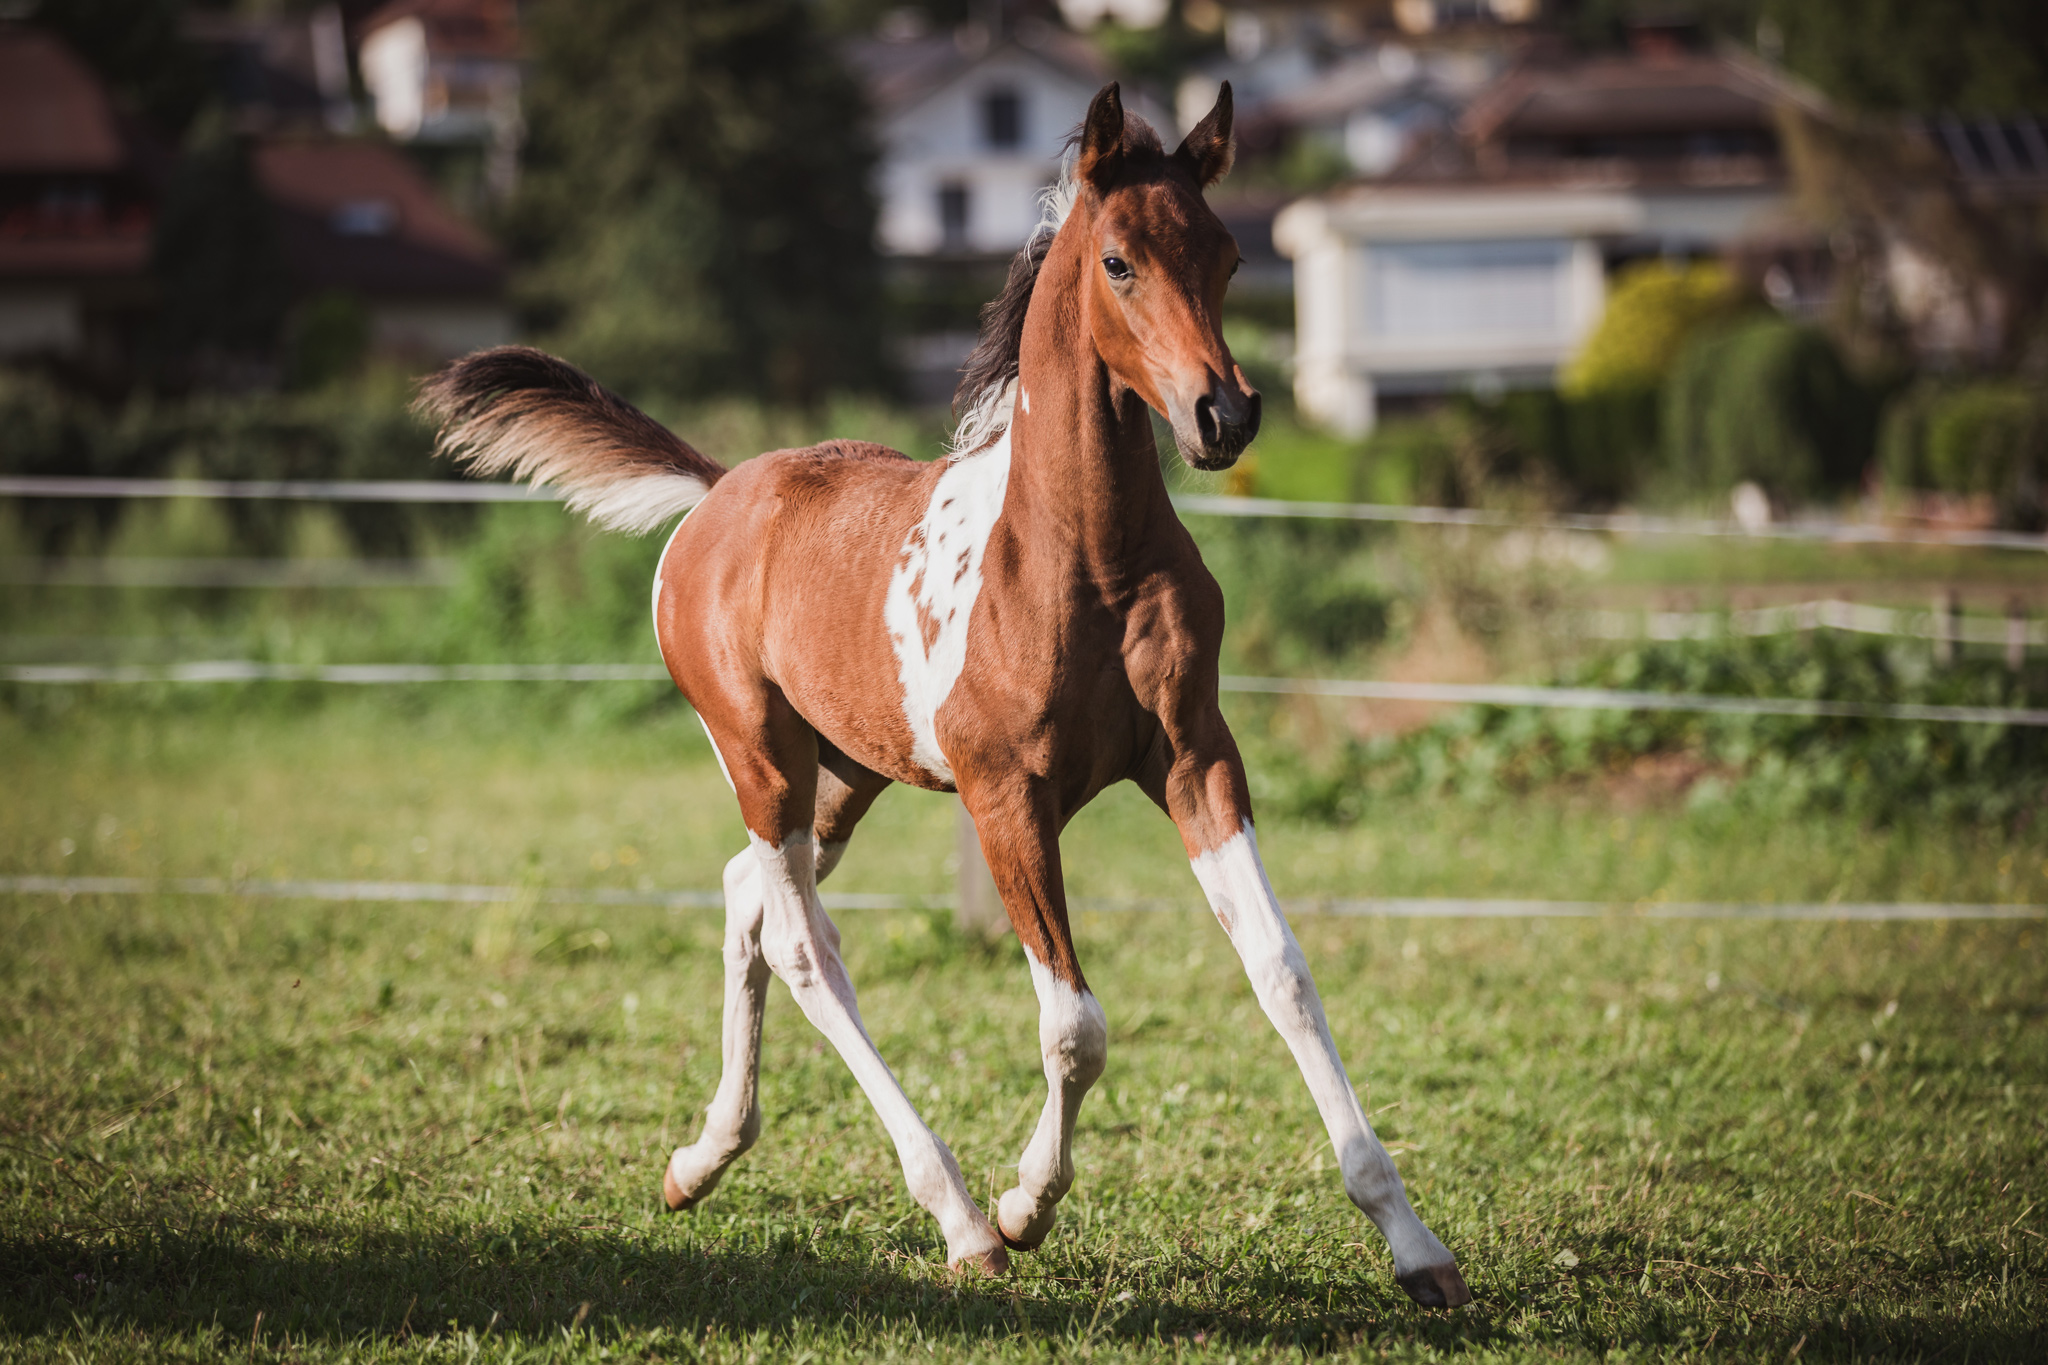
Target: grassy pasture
{"x":436,"y":1132}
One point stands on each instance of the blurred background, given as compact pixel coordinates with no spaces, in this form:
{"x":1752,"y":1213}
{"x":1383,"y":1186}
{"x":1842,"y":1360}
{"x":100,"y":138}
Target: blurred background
{"x":1763,"y":264}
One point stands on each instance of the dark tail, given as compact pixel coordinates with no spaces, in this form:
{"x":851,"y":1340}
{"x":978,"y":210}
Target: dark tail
{"x":514,"y":410}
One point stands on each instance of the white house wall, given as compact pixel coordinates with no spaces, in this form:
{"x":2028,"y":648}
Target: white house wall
{"x":939,"y":141}
{"x":1430,"y":292}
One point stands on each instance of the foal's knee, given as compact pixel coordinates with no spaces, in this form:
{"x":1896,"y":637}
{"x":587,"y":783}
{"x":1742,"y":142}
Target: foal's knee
{"x":1075,"y":1042}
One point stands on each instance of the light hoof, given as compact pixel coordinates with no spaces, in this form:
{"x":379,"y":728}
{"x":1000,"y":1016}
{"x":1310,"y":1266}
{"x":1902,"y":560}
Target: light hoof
{"x":1436,"y":1286}
{"x":992,"y":1263}
{"x":1031,"y":1238}
{"x":692,"y":1191}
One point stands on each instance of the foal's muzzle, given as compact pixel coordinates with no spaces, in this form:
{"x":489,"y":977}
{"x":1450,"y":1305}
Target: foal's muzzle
{"x":1225,"y":420}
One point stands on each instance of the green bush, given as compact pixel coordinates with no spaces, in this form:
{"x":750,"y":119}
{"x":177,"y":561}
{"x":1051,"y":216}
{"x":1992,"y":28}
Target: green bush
{"x":1653,"y":308}
{"x":358,"y":431}
{"x":1877,"y":769}
{"x":1595,"y":443}
{"x":1764,"y":400}
{"x":1984,"y":439}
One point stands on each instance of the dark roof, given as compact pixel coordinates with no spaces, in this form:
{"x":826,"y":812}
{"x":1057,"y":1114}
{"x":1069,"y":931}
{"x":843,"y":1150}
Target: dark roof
{"x":902,"y":71}
{"x":1633,"y":94}
{"x":456,"y":28}
{"x":357,"y":215}
{"x":1678,"y":119}
{"x":54,"y":113}
{"x":1639,"y":93}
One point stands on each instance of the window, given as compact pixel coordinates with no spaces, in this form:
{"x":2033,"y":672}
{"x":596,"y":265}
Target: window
{"x":1002,"y":118}
{"x":365,"y":218}
{"x":1418,"y":291}
{"x":956,"y":206}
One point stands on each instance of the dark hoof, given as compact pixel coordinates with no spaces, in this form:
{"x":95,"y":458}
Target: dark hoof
{"x":1015,"y":1244}
{"x":993,"y":1262}
{"x":1436,"y":1286}
{"x":672,"y":1193}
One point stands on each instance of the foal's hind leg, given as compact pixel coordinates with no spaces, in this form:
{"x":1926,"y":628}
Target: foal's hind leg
{"x":1023,"y":852}
{"x":772,"y":755}
{"x":732,"y":1122}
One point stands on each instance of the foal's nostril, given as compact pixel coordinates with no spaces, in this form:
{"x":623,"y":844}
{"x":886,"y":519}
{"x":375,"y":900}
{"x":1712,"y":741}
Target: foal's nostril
{"x":1205,"y":420}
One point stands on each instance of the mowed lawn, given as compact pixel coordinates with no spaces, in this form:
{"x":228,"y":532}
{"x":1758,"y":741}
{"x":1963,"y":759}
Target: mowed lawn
{"x":293,"y":1130}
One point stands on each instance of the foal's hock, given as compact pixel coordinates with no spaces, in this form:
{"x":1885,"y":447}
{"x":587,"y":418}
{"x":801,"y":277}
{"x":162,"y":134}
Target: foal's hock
{"x":1025,"y":622}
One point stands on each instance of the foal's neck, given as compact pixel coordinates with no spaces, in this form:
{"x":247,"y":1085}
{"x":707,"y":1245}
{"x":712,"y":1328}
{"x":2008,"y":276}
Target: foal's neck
{"x":1084,"y":469}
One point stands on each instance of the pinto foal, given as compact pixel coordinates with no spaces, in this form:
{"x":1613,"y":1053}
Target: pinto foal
{"x":1025,"y":622}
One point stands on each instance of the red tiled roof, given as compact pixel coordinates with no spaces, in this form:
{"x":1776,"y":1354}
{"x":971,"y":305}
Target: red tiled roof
{"x":54,"y":113}
{"x":49,"y":258}
{"x":358,"y":215}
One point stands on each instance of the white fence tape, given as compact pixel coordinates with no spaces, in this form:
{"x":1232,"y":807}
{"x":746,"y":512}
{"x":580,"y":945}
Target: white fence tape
{"x":246,"y":670}
{"x":276,"y":490}
{"x":1625,"y":524}
{"x":141,"y":572}
{"x":1829,"y":614}
{"x":1494,"y":694}
{"x":1379,"y":908}
{"x":1607,"y":699}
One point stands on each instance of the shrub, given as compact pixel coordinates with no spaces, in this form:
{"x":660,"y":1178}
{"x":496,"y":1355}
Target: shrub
{"x":1878,"y":769}
{"x":1652,"y":310}
{"x":1988,"y":438}
{"x":1595,"y":443}
{"x":1768,"y":401}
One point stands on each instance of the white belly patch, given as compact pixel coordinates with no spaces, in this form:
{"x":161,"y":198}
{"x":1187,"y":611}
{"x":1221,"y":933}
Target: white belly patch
{"x":931,"y":594}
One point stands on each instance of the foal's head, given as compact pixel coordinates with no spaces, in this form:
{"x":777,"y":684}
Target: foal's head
{"x":1158,"y":262}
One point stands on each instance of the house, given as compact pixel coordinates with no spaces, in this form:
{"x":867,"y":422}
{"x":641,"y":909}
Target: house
{"x":79,"y":195}
{"x":1375,"y":106}
{"x":357,"y":218}
{"x":1480,"y":260}
{"x":276,"y":69}
{"x":971,"y":125}
{"x":446,"y":74}
{"x":76,"y":208}
{"x":971,"y":128}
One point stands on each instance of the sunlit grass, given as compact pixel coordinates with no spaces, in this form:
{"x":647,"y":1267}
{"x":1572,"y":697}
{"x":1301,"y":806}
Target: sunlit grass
{"x":436,"y":1132}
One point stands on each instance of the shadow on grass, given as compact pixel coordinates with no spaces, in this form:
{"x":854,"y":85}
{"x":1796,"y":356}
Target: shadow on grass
{"x":340,"y":1287}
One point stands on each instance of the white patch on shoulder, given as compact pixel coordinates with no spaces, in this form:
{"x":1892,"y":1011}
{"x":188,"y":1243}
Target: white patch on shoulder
{"x":1025,"y":394}
{"x":931,"y":594}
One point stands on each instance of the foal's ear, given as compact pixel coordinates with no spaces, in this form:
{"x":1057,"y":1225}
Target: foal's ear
{"x":1102,"y":139}
{"x":1208,"y":149}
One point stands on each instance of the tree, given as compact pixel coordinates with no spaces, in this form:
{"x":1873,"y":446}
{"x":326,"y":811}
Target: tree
{"x":695,"y":214}
{"x":220,"y":268}
{"x":138,"y":48}
{"x":1881,"y":56}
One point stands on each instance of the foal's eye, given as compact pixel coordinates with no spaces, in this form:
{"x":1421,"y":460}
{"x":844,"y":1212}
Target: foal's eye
{"x":1116,"y":267}
{"x":1234,"y":265}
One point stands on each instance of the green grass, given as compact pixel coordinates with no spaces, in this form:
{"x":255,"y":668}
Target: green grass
{"x":436,"y":1132}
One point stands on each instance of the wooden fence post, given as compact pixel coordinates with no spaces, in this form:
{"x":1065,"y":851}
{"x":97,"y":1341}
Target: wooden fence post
{"x":1948,"y":611}
{"x":977,"y":908}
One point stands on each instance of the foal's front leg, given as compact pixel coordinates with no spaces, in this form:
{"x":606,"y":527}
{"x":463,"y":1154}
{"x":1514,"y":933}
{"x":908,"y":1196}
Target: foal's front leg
{"x":1207,"y":799}
{"x":1073,"y":1037}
